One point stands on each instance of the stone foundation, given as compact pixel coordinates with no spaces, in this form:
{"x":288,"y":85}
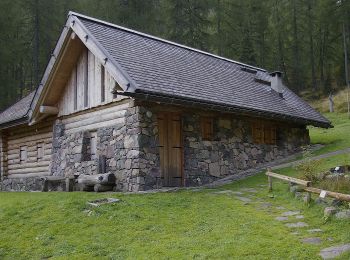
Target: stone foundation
{"x":21,"y":184}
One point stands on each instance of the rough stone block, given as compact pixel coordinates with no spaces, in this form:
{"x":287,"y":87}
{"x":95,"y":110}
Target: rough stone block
{"x":329,"y":211}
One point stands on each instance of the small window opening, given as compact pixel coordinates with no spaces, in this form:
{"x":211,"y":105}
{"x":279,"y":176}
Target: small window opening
{"x":23,"y":154}
{"x":40,"y":151}
{"x":93,"y":145}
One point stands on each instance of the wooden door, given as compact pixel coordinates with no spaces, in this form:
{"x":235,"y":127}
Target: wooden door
{"x":170,"y":149}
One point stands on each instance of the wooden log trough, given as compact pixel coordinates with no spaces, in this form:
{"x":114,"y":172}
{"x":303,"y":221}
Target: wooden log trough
{"x":306,"y":186}
{"x":97,"y":182}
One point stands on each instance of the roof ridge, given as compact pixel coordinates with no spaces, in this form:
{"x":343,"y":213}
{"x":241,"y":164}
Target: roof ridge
{"x":162,"y":40}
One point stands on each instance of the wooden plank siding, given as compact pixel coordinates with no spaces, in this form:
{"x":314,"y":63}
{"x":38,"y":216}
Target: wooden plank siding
{"x":86,"y":80}
{"x":35,"y":139}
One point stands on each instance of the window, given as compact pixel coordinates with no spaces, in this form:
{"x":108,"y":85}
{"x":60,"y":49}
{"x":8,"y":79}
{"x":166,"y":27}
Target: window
{"x":103,"y":87}
{"x":93,"y":145}
{"x":23,"y":154}
{"x":264,"y":133}
{"x":40,"y":151}
{"x":207,"y":128}
{"x":86,"y":80}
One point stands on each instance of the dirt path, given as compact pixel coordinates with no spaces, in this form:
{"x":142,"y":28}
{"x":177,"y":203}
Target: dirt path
{"x":318,"y":157}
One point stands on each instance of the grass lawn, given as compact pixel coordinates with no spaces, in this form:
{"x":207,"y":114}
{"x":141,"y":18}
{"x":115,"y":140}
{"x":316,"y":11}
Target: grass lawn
{"x":177,"y":225}
{"x":333,"y":138}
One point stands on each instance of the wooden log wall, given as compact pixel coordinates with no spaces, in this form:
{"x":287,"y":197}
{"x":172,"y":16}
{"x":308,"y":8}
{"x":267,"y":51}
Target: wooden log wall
{"x":94,"y":119}
{"x":87,"y":69}
{"x":29,"y":137}
{"x":3,"y":154}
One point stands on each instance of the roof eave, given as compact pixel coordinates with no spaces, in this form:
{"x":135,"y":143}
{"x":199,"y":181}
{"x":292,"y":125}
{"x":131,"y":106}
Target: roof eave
{"x":173,"y":99}
{"x":15,"y":122}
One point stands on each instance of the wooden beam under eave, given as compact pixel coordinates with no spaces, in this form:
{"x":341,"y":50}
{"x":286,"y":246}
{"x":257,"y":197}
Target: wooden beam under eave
{"x":49,"y":110}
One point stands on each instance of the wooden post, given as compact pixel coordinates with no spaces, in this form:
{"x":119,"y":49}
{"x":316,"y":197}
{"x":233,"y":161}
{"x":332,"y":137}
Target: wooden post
{"x":308,"y":198}
{"x":269,"y":179}
{"x":270,"y":183}
{"x":45,"y":185}
{"x":69,"y":184}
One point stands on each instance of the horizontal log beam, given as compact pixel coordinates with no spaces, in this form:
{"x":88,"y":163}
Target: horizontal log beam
{"x":337,"y":195}
{"x":289,"y":179}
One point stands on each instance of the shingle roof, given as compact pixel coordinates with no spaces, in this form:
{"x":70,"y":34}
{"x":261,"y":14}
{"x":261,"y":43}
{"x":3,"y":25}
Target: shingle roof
{"x":17,"y":111}
{"x":165,"y":68}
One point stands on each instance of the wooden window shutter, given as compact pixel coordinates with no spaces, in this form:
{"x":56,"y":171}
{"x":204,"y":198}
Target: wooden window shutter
{"x":270,"y":134}
{"x":207,"y":128}
{"x":257,"y":132}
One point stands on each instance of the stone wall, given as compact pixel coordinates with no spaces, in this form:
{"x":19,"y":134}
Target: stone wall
{"x":118,"y":151}
{"x":232,"y":149}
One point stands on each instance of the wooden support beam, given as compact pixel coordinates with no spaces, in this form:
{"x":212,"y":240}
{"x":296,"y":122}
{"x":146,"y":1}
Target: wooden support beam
{"x":339,"y":196}
{"x":50,"y":110}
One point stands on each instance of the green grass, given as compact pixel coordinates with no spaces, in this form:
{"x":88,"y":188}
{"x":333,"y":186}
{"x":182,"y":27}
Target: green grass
{"x":333,"y":138}
{"x":183,"y":224}
{"x":177,"y":225}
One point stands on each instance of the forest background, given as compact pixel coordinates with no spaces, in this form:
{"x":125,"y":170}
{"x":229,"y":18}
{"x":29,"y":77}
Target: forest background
{"x":302,"y":38}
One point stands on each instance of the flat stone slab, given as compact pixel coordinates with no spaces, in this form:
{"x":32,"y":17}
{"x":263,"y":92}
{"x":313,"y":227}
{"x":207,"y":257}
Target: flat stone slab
{"x":315,"y":230}
{"x":243,"y":199}
{"x":99,"y":202}
{"x":265,"y":205}
{"x":223,"y":192}
{"x":312,"y":240}
{"x":281,"y":218}
{"x":290,"y":213}
{"x":280,"y":208}
{"x":228,"y":192}
{"x":334,"y":251}
{"x":297,"y":225}
{"x":251,"y":190}
{"x":299,"y":216}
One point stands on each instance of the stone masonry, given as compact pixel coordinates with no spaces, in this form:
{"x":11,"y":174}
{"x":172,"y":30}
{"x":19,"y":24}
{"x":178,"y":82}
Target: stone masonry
{"x":130,"y":151}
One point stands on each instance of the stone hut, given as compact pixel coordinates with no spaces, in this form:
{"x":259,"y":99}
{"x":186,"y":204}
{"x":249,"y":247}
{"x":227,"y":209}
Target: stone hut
{"x":152,"y":112}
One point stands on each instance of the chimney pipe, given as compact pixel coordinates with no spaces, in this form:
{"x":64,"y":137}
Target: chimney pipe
{"x":276,"y":82}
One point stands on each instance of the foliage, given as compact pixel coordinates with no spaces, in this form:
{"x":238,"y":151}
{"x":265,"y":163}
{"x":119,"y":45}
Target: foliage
{"x":301,"y":38}
{"x":338,"y":184}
